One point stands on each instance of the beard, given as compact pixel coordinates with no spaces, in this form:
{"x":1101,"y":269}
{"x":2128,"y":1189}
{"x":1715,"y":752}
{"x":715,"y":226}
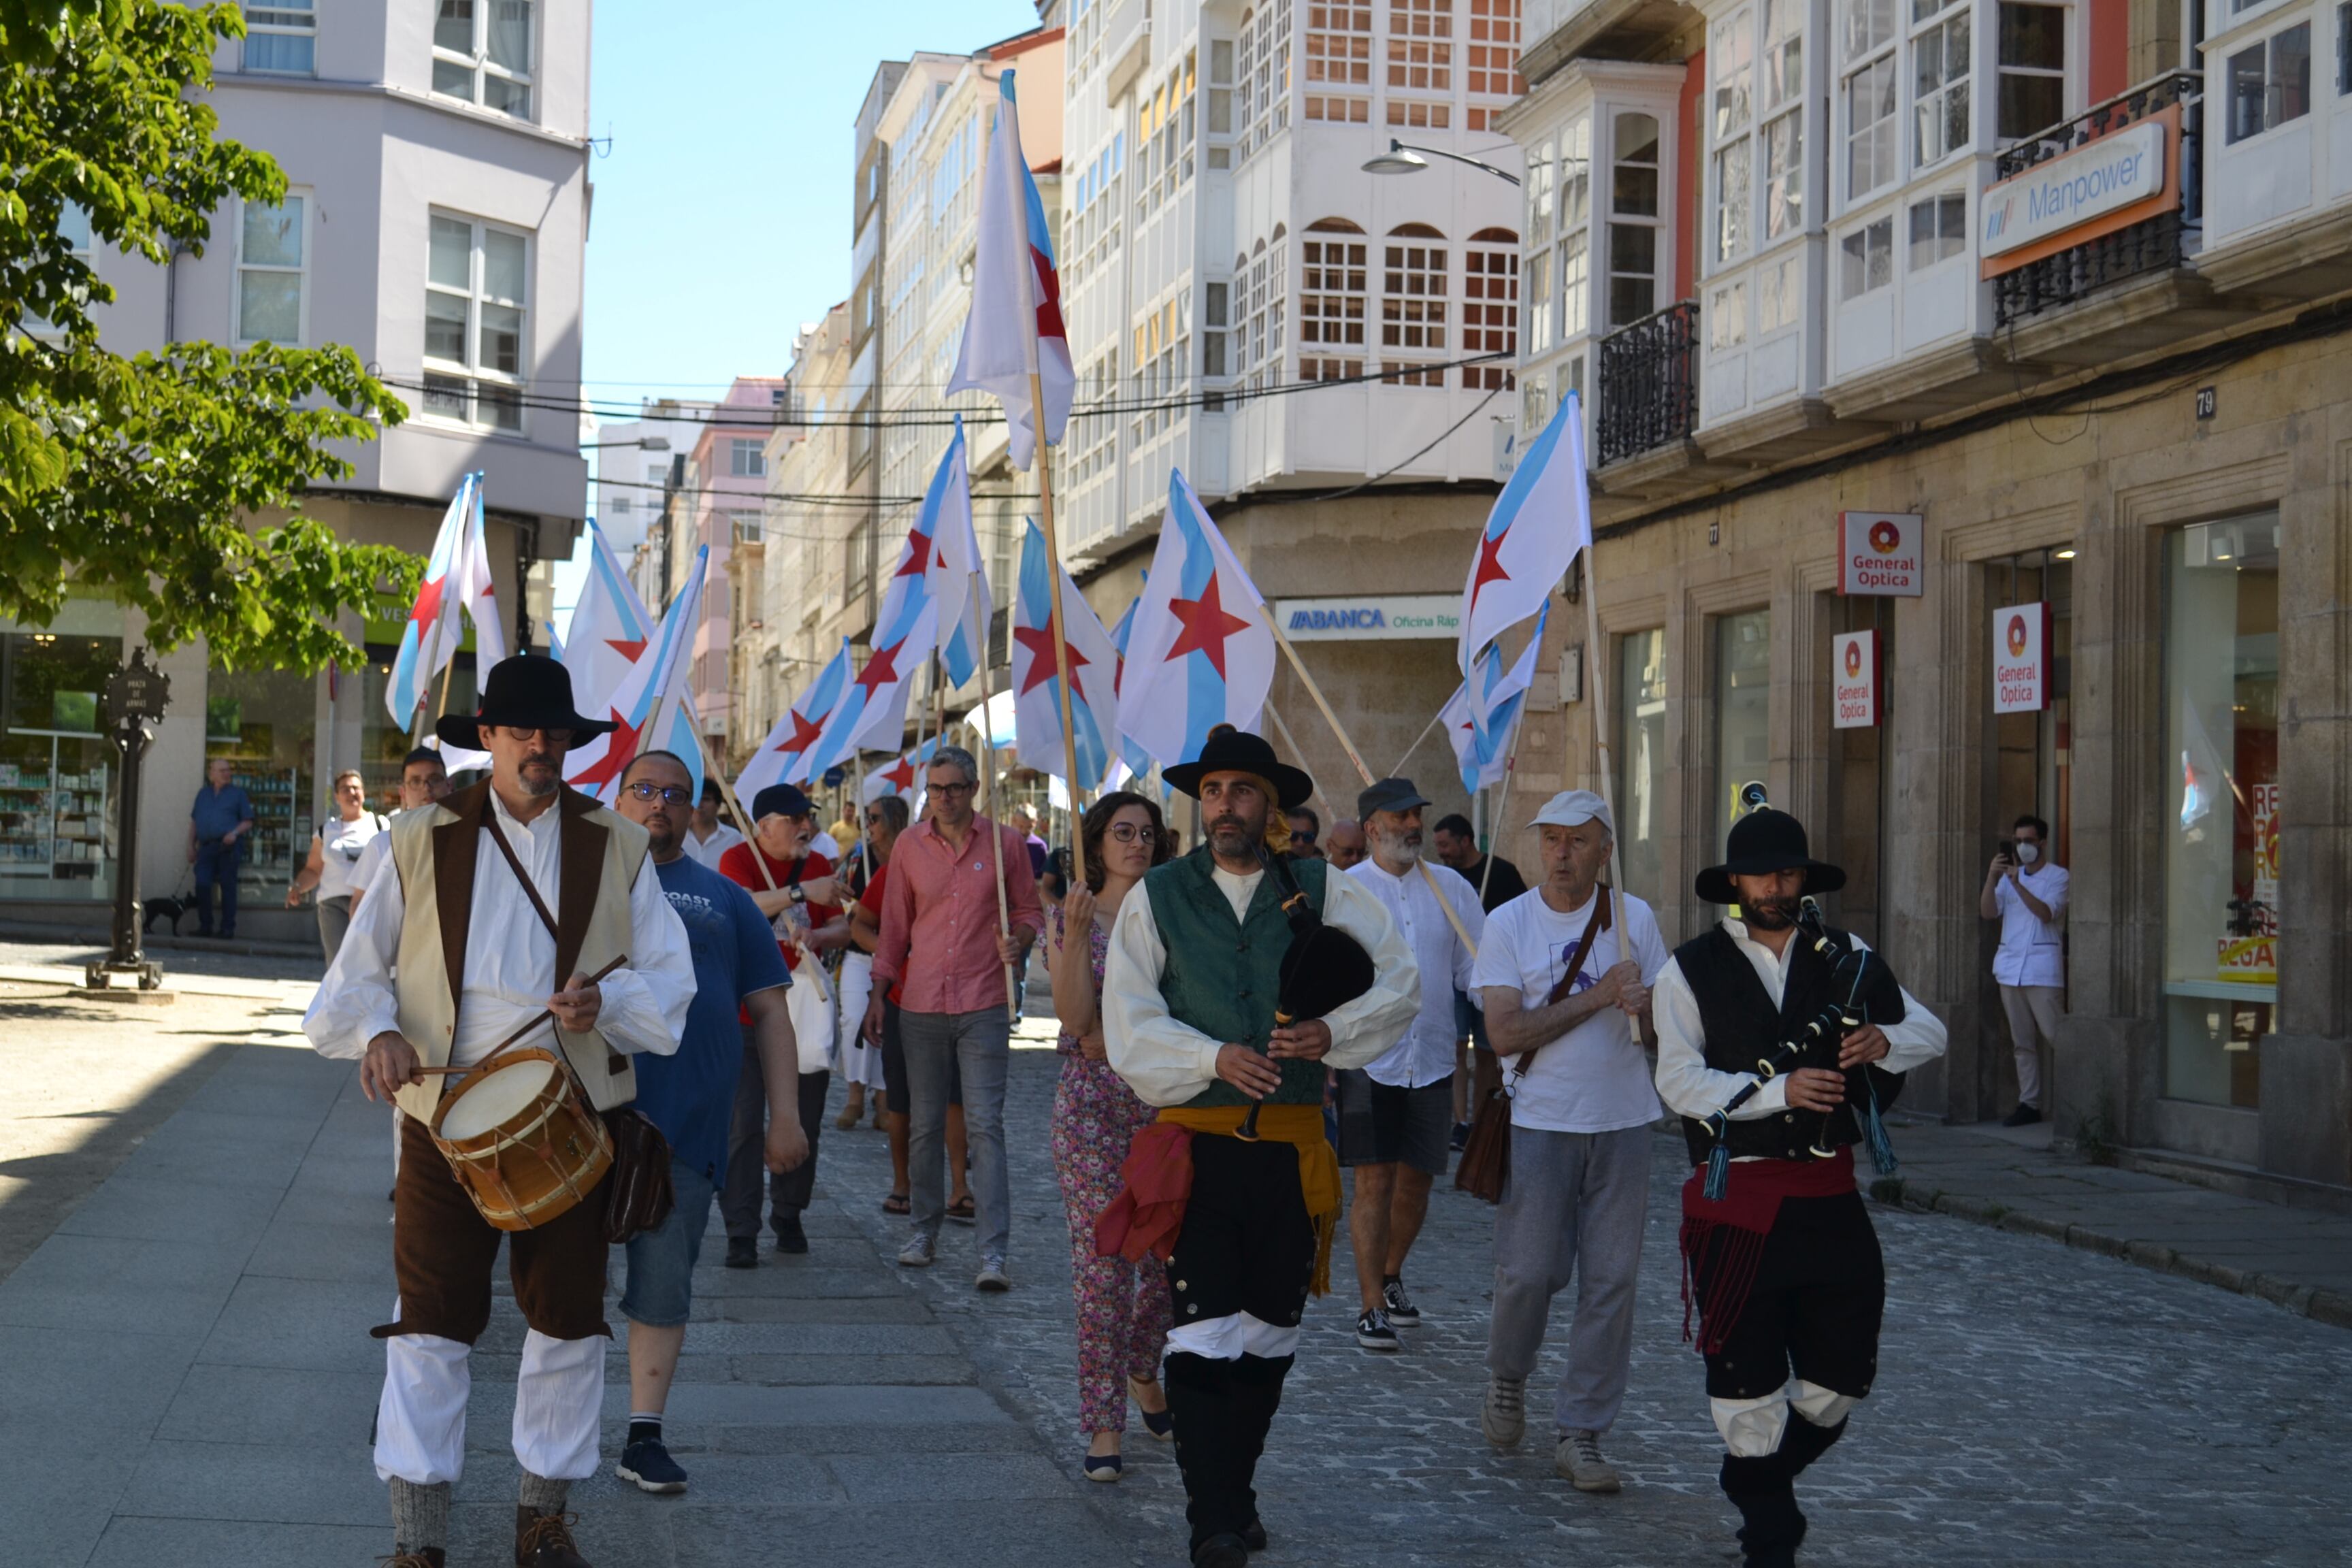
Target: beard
{"x":539,"y":774}
{"x":661,"y":834}
{"x":1401,"y":846}
{"x":1770,"y":914}
{"x":1230,"y":836}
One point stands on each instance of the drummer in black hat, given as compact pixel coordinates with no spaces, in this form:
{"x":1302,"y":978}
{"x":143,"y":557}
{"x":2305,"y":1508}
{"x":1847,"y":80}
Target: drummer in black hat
{"x":500,"y":903}
{"x":1189,"y":994}
{"x":1784,"y":1269}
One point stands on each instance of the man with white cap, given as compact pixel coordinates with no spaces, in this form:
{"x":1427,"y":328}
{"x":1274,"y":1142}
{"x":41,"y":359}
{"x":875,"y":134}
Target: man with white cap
{"x":1562,"y":990}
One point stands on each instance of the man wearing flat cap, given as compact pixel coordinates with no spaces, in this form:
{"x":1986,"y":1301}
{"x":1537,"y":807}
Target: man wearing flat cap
{"x":498,"y":903}
{"x":1243,"y":1209}
{"x":1784,"y":1265}
{"x":1567,"y":1009}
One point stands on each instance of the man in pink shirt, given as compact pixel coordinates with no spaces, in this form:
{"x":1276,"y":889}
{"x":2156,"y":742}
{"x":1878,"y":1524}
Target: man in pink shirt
{"x":955,"y":1011}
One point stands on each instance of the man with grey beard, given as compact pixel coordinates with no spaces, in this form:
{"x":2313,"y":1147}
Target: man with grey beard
{"x":1396,"y":1114}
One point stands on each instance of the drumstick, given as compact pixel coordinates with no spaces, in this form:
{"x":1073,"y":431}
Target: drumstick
{"x":546,"y":1016}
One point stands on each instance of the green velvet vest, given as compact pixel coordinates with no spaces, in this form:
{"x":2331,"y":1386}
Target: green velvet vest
{"x":1223,"y":978}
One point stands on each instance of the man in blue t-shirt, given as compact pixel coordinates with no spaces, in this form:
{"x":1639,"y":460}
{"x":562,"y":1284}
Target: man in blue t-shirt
{"x":217,"y":826}
{"x":691,"y":1096}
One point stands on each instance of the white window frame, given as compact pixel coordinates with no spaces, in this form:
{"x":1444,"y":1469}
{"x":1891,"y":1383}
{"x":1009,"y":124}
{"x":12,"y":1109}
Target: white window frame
{"x":476,"y":61}
{"x":1571,"y":280}
{"x":1862,"y":58}
{"x":303,"y":271}
{"x":471,"y":374}
{"x":1605,"y":227}
{"x":1416,"y":291}
{"x":1731,"y":139}
{"x":1854,"y":245}
{"x":747,"y":457}
{"x":1948,"y":239}
{"x":2070,"y":20}
{"x":1780,"y":117}
{"x":2226,"y":89}
{"x":296,"y":19}
{"x":1932,"y":25}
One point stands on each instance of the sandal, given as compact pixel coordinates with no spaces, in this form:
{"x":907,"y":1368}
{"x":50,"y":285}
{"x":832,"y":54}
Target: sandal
{"x":850,"y":1117}
{"x":897,"y":1204}
{"x":961,"y":1210}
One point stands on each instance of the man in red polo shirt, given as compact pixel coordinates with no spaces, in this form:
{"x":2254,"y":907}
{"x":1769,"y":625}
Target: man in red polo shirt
{"x":940,"y":903}
{"x":794,"y":886}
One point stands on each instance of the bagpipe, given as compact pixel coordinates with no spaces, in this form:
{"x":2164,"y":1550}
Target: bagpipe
{"x":1324,"y":969}
{"x":1863,"y":989}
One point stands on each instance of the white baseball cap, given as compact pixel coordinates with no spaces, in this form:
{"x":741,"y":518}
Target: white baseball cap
{"x":1574,"y":808}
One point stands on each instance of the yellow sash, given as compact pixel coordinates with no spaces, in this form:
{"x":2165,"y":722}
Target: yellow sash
{"x":1318,"y":1166}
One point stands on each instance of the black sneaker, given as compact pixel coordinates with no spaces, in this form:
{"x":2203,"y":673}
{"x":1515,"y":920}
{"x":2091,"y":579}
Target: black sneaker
{"x":743,"y":1252}
{"x":790,"y":1237}
{"x":648,"y":1464}
{"x":1399,"y":1306}
{"x":2023,"y":1116}
{"x":1372,"y":1332}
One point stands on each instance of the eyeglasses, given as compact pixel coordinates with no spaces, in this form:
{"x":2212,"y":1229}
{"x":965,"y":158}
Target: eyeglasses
{"x":951,"y":789}
{"x":675,"y":795}
{"x":1127,"y":833}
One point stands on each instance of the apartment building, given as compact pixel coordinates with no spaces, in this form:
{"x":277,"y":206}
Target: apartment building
{"x":724,"y":486}
{"x":435,"y":222}
{"x":1248,"y":304}
{"x":633,"y":463}
{"x":1967,"y":386}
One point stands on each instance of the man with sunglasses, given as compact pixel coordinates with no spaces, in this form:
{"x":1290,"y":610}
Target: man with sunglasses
{"x":691,"y":1096}
{"x":519,"y":891}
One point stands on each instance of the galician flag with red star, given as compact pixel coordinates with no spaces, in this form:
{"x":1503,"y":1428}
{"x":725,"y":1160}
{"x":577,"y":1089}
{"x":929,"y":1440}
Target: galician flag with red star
{"x":1199,"y":653}
{"x":1483,"y":714}
{"x":1542,"y":520}
{"x":654,"y":709}
{"x":780,"y":756}
{"x":609,"y":629}
{"x":1036,"y":684}
{"x":872,"y":712}
{"x":457,"y":575}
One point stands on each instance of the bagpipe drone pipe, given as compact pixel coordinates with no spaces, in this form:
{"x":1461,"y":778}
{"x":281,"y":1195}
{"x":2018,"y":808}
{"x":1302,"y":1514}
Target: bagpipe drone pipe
{"x":1863,"y":989}
{"x":1323,"y":969}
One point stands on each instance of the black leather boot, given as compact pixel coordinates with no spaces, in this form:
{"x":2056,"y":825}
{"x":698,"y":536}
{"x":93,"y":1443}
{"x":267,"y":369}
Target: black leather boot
{"x":1763,"y":1492}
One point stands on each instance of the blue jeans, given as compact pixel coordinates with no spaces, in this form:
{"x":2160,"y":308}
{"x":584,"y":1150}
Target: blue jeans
{"x":938,"y":1048}
{"x":660,"y":1289}
{"x":216,"y":862}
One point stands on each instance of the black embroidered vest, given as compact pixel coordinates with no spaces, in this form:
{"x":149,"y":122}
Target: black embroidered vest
{"x":1742,"y":1025}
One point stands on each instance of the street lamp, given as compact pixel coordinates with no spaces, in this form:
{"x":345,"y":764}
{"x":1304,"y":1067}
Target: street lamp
{"x":650,"y":443}
{"x":1402,"y":159}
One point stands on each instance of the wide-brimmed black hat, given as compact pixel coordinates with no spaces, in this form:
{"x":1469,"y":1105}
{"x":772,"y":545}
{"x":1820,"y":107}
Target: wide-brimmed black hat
{"x":530,"y":691}
{"x":1230,"y":751}
{"x":1767,"y":841}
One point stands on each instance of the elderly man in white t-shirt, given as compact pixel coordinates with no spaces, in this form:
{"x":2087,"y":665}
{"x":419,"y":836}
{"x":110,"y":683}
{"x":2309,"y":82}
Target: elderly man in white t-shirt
{"x":2027,"y":894}
{"x":1582,"y":1108}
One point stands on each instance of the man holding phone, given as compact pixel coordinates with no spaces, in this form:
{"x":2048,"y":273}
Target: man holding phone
{"x":2027,"y":894}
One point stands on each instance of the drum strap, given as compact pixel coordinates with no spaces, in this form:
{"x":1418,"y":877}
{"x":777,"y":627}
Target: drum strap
{"x":498,"y":838}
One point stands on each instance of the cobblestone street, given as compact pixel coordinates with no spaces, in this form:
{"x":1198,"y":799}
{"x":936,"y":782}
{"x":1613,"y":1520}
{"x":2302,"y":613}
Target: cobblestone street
{"x":2036,"y":1405}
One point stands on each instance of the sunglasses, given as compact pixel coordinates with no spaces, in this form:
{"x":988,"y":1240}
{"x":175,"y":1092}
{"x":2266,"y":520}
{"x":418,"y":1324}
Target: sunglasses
{"x":674,"y":794}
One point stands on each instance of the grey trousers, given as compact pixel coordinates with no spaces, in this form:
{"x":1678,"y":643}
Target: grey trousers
{"x":1575,"y":1204}
{"x":747,"y":1137}
{"x":334,"y":919}
{"x":978,"y":1045}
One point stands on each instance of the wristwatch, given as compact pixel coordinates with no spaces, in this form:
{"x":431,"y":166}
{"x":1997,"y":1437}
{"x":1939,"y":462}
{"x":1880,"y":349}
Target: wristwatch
{"x":798,"y":896}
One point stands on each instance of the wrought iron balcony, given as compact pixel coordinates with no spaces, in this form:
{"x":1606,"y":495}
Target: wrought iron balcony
{"x":2152,"y":245}
{"x":1649,"y":384}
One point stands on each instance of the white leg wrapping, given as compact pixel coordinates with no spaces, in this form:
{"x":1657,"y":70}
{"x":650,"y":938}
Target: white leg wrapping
{"x":420,"y":1421}
{"x":1820,"y":1405}
{"x":558,"y":1401}
{"x":1232,"y":1337}
{"x":1751,"y":1428}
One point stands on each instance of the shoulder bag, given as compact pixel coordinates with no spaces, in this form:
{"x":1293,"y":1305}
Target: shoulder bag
{"x":1486,"y":1163}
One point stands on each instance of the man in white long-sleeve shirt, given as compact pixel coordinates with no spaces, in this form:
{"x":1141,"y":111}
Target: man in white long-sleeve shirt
{"x":1396,"y":1114}
{"x":1189,"y":1002}
{"x":452,"y":951}
{"x":1784,"y":1265}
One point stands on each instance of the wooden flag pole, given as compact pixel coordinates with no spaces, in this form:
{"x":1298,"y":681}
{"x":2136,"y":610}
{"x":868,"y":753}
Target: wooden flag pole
{"x":1417,"y":739}
{"x":1053,"y":614}
{"x":995,"y":836}
{"x":1595,"y":675}
{"x":743,"y":825}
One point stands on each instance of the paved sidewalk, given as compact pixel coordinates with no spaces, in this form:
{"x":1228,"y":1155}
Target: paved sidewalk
{"x":186,"y":1377}
{"x":2300,"y":1258}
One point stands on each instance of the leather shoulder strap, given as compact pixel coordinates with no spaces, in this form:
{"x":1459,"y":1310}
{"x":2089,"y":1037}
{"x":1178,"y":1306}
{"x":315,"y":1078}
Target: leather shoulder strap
{"x":1567,"y":982}
{"x":498,"y":837}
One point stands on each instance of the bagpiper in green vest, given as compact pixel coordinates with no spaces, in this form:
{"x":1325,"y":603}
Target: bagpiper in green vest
{"x":1223,"y":975}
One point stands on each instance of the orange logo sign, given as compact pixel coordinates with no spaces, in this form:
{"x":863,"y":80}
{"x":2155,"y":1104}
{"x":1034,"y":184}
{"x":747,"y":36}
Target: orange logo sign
{"x":2016,"y":637}
{"x":1885,"y":536}
{"x":1854,"y":661}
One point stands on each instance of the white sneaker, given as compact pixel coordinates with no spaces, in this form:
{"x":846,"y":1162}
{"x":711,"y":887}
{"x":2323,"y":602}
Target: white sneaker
{"x":1505,"y":1418}
{"x":917,"y":1253}
{"x":1578,"y":1460}
{"x":992,"y":1276}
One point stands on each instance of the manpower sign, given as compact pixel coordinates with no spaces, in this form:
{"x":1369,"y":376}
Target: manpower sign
{"x":2103,"y":186}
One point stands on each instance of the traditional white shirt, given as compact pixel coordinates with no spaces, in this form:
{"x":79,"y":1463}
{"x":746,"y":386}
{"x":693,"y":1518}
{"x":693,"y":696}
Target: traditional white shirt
{"x":707,"y":851}
{"x":1168,"y":1063}
{"x":1425,"y":1055}
{"x":2033,"y":951}
{"x":510,"y":957}
{"x":1690,"y":1087}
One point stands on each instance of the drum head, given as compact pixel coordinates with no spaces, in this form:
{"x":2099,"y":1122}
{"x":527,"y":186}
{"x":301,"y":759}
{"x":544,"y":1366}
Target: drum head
{"x":488,"y":1103}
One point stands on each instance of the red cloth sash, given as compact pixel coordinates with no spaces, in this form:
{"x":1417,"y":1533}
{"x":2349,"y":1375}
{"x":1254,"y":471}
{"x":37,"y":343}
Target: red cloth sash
{"x":1731,"y":1232}
{"x":1149,"y":1211}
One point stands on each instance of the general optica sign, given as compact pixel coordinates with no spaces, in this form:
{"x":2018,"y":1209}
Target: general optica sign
{"x":2020,"y":658}
{"x":1853,"y":680}
{"x":2103,"y":186}
{"x":1882,"y":552}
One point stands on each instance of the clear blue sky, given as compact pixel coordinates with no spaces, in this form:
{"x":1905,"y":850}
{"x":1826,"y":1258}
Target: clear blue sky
{"x":722,"y":213}
{"x":722,"y":207}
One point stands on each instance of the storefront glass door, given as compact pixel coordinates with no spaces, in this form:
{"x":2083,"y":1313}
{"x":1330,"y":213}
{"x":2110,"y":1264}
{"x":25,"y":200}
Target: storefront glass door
{"x":1640,"y":742}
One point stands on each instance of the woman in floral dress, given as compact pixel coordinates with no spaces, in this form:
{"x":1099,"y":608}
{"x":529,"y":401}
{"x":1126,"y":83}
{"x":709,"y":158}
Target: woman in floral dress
{"x":1123,"y":1311}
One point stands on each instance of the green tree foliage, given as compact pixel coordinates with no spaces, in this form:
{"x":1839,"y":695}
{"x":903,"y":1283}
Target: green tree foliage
{"x":137,"y":477}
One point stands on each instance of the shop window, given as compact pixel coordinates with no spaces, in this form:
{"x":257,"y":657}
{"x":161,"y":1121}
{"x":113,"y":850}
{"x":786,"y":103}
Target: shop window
{"x":59,"y":782}
{"x":2033,"y":68}
{"x":2222,"y":807}
{"x":1641,"y":699}
{"x":2270,"y":83}
{"x":264,"y":722}
{"x":1743,"y":702}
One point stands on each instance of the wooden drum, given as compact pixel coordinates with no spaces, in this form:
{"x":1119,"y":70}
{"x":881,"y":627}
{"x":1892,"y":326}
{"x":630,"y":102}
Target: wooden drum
{"x":523,"y":1141}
